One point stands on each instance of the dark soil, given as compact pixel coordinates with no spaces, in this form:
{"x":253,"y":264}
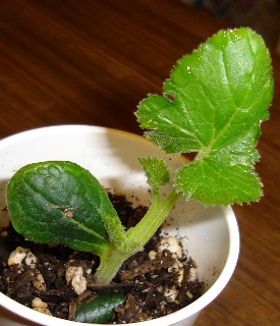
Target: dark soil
{"x":142,"y":280}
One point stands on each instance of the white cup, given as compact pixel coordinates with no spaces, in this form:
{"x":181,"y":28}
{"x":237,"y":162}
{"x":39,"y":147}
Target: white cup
{"x":210,"y":235}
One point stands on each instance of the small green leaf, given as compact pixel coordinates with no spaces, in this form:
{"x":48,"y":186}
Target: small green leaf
{"x":54,"y":201}
{"x":157,"y":172}
{"x":213,"y":104}
{"x":100,"y":309}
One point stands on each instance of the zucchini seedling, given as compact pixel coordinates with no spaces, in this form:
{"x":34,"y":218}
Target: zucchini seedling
{"x":212,"y":104}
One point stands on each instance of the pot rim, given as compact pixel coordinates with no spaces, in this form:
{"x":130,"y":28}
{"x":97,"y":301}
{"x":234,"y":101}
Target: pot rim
{"x":210,"y":294}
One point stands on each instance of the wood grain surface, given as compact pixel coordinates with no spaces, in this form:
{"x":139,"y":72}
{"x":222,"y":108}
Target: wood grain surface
{"x":91,"y":62}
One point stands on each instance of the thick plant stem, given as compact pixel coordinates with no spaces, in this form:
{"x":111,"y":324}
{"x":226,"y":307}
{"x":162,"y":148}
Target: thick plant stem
{"x":137,"y":236}
{"x":153,"y":219}
{"x":110,"y":265}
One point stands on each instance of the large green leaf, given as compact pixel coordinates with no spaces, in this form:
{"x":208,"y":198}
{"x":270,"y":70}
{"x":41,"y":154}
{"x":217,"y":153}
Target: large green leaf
{"x":59,"y":202}
{"x":213,"y":104}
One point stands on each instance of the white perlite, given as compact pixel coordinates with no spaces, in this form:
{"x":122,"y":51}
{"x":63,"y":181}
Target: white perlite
{"x":171,"y":294}
{"x":30,"y":259}
{"x":40,"y":306}
{"x":20,"y":255}
{"x":78,"y":281}
{"x":172,"y":244}
{"x":178,"y":267}
{"x":39,"y":283}
{"x":193,"y":274}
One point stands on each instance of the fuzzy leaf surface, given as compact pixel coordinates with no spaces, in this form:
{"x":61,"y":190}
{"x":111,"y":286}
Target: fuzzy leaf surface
{"x":157,"y":171}
{"x":213,"y":104}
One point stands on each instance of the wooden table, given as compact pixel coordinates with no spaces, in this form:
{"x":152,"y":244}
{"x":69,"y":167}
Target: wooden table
{"x":91,"y":62}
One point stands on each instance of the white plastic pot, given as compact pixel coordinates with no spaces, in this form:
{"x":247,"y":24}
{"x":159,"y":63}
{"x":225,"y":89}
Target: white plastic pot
{"x":210,"y":235}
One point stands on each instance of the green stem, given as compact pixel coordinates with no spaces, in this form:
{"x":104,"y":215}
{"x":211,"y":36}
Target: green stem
{"x":110,"y":264}
{"x":136,"y":237}
{"x":153,"y":219}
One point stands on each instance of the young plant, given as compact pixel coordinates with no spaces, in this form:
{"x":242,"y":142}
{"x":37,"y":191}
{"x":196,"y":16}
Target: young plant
{"x":212,"y":105}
